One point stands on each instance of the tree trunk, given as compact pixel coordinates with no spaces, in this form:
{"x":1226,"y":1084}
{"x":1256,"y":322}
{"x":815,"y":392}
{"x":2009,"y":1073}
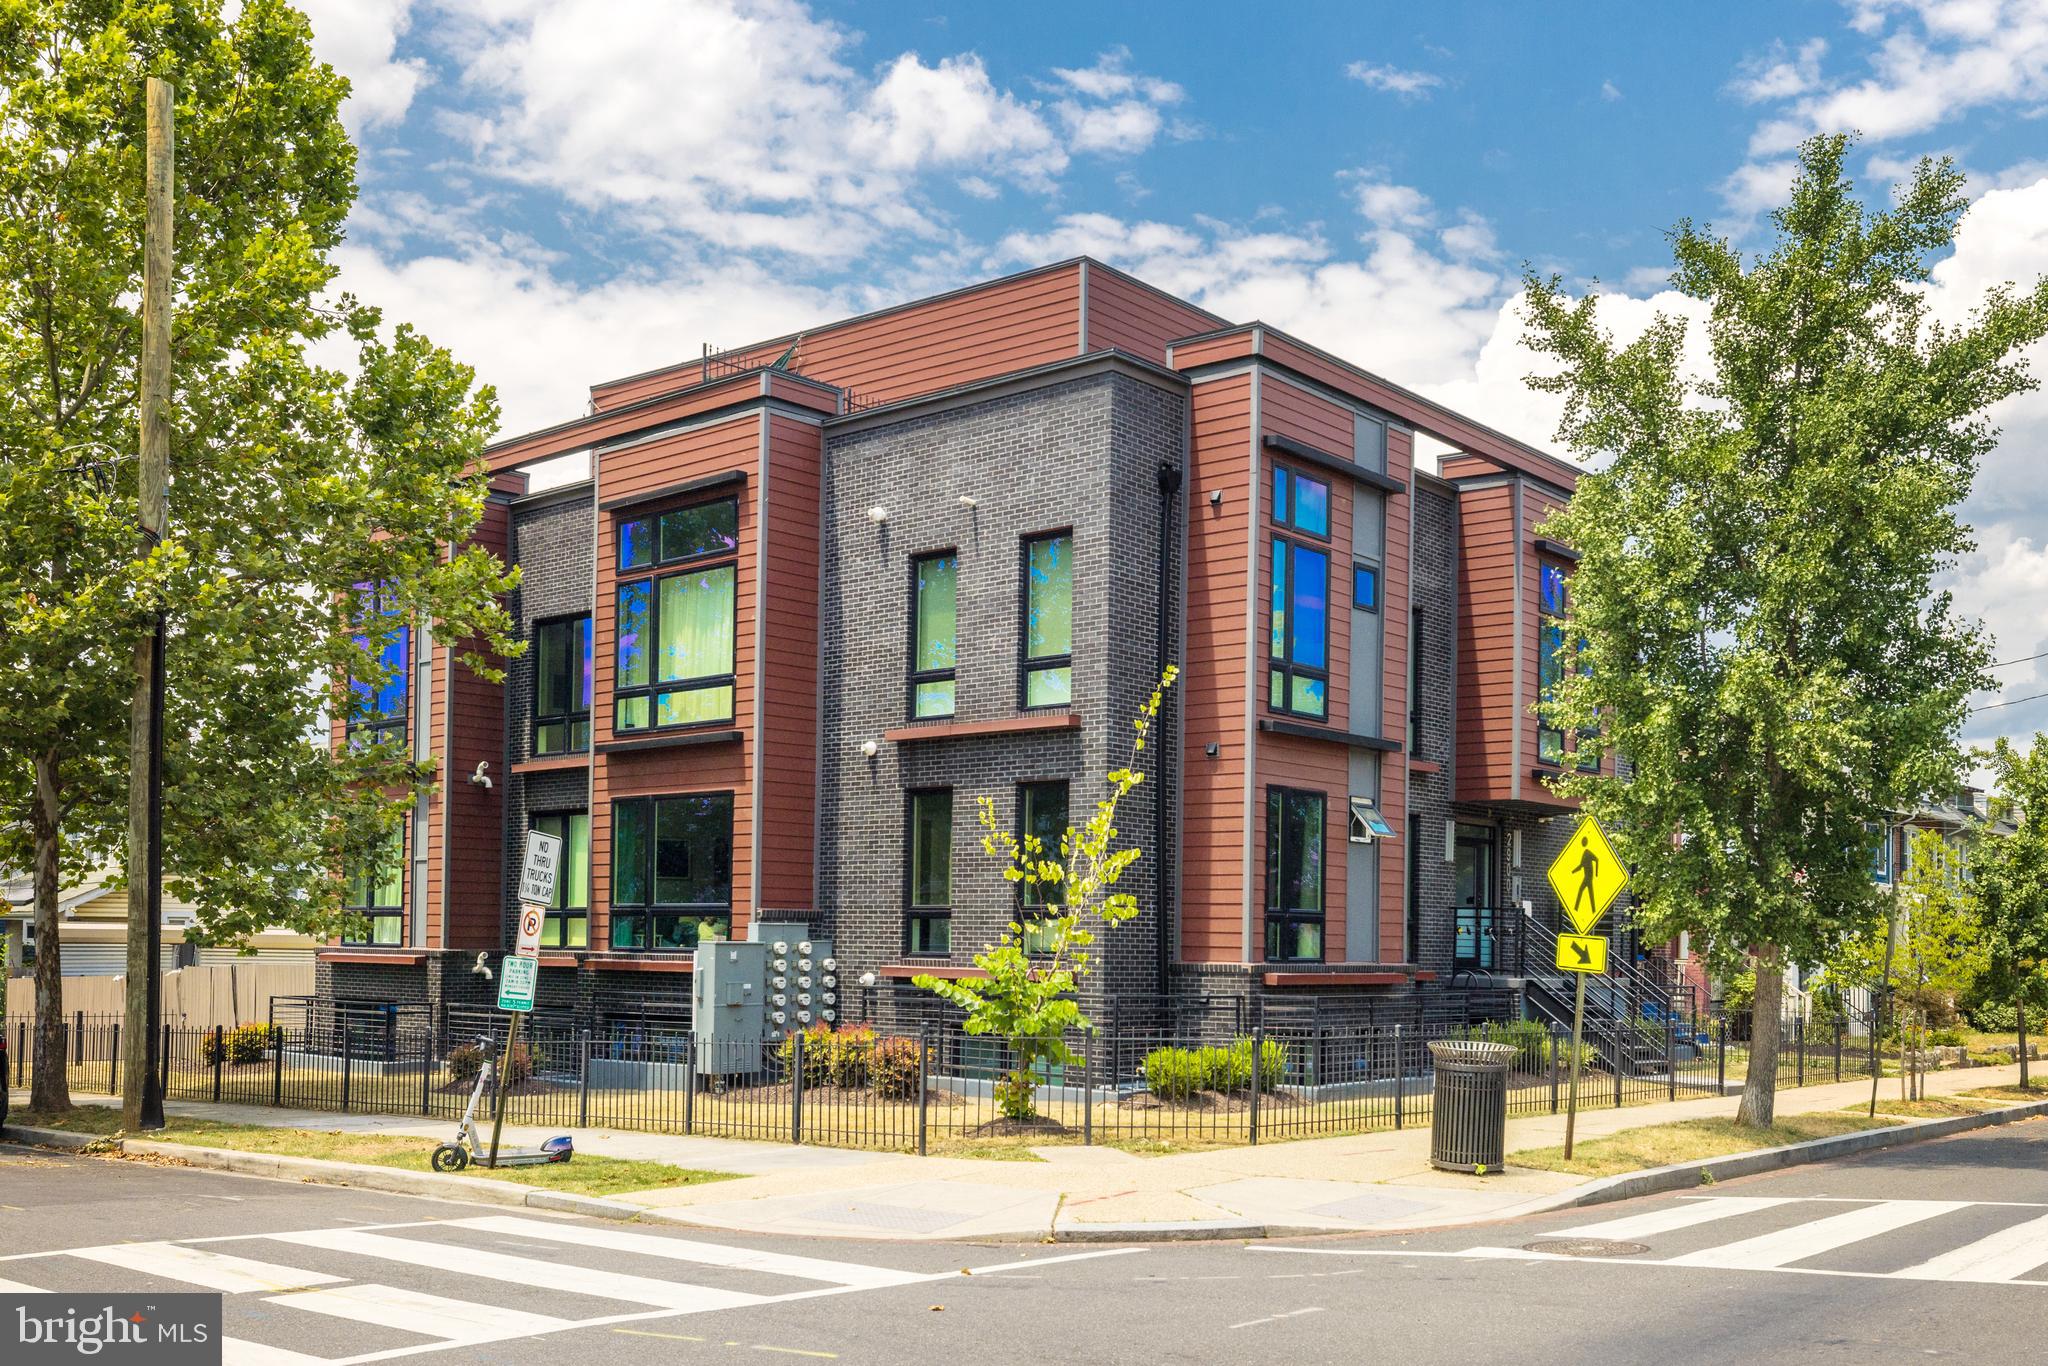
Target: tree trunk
{"x":1766,"y":1033}
{"x":50,"y":1090}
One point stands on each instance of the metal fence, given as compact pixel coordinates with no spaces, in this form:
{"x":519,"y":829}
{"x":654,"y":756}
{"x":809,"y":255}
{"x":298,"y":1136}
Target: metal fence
{"x":935,"y":1087}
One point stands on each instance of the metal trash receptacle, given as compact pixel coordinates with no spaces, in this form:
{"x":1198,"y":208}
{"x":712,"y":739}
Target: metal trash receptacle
{"x":1468,"y":1126}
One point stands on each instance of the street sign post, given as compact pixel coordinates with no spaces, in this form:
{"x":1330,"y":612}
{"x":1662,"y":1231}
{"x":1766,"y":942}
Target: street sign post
{"x":1586,"y":876}
{"x":519,"y":971}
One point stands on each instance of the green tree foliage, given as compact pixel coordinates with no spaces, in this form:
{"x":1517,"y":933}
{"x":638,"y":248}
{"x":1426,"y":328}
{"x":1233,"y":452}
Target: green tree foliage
{"x":291,"y":483}
{"x":2010,"y":871}
{"x":1757,"y":553}
{"x":1026,"y":998}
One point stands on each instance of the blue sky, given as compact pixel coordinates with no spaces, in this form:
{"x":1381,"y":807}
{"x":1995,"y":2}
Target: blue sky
{"x":567,"y":190}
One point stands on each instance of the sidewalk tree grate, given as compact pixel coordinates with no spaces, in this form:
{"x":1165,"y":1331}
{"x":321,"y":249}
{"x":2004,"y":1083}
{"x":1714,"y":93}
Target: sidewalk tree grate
{"x":1585,"y":1247}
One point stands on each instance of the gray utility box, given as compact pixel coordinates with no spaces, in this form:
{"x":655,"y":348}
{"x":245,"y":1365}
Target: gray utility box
{"x":802,"y":979}
{"x":728,"y":1007}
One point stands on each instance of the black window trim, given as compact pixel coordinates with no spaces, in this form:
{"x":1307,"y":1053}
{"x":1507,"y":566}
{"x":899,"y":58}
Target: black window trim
{"x":564,"y":914}
{"x":652,"y":575}
{"x":1285,"y":516}
{"x":1026,"y":664}
{"x":911,"y":911}
{"x":1378,"y":586}
{"x":649,"y":909}
{"x":1286,"y":666}
{"x":1273,"y":913}
{"x":373,"y":914}
{"x":917,"y":676}
{"x":570,"y":717}
{"x":380,"y":729}
{"x":1027,"y":910}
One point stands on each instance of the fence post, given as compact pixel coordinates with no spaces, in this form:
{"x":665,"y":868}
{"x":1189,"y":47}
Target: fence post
{"x":1553,"y":1068}
{"x":796,"y":1088}
{"x":114,"y":1060}
{"x":219,"y":1057}
{"x":347,"y":1062}
{"x":1258,"y":1047}
{"x":276,"y":1065}
{"x":1838,"y":1048}
{"x":924,"y":1069}
{"x":21,"y":1053}
{"x":78,"y":1038}
{"x":583,"y":1080}
{"x":426,"y":1073}
{"x":690,"y":1086}
{"x":1721,"y":1060}
{"x":1088,"y":1088}
{"x":1671,"y":1052}
{"x":1622,"y":1050}
{"x":1799,"y":1042}
{"x":1400,"y":1080}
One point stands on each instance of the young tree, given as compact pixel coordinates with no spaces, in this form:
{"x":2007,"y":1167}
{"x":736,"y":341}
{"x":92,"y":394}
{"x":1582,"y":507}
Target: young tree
{"x":292,"y":486}
{"x":2010,"y":871}
{"x":1756,"y":560}
{"x":1027,"y":995}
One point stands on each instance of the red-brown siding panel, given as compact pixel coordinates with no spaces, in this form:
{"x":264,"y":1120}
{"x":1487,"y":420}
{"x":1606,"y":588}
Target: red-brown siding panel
{"x":1394,"y":701}
{"x":468,"y":861}
{"x":1132,"y":317}
{"x":789,"y":738}
{"x":1488,"y":691}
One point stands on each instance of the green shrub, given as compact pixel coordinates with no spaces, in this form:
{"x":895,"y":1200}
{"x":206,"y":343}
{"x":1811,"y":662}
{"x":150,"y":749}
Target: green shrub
{"x":1176,"y":1073}
{"x":1950,"y":1037}
{"x":2000,"y":1017}
{"x":842,"y":1057}
{"x":1529,"y":1039}
{"x":242,"y":1045}
{"x":1272,"y":1065}
{"x":894,"y":1067}
{"x":465,"y":1061}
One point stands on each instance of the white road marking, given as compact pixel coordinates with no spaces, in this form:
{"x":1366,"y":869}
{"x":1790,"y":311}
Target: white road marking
{"x":1818,"y":1236}
{"x":2000,"y":1257}
{"x":1275,"y":1318}
{"x":432,"y":1316}
{"x":1037,"y":1262}
{"x":1673,"y":1217}
{"x":17,"y":1288}
{"x":688,"y":1250}
{"x":241,"y":1352}
{"x":196,"y":1266}
{"x":524,"y":1271}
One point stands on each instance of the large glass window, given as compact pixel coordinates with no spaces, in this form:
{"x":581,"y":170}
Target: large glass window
{"x":928,"y":874}
{"x":561,"y":686}
{"x":375,"y":890}
{"x":1550,"y":661}
{"x":934,"y":629}
{"x":1301,"y":502}
{"x":568,"y":922}
{"x":1294,"y":875}
{"x":676,"y":628}
{"x":377,"y":710}
{"x":1300,"y":649}
{"x":1049,"y":621}
{"x":1041,"y":814}
{"x":671,"y":871}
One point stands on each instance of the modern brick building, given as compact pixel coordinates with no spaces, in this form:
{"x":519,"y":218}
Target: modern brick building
{"x":799,"y":605}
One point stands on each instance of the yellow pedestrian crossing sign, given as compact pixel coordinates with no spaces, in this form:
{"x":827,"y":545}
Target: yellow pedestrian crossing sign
{"x":1587,"y":876}
{"x":1582,"y":952}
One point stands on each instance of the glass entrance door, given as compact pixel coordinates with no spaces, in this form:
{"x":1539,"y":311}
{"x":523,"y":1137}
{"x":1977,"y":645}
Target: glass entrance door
{"x":1472,"y":881}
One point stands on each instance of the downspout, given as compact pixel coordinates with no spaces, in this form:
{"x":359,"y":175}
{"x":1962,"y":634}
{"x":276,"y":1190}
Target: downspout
{"x":1169,"y":489}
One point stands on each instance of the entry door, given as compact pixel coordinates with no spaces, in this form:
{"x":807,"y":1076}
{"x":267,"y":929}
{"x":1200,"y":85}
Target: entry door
{"x":1472,"y":878}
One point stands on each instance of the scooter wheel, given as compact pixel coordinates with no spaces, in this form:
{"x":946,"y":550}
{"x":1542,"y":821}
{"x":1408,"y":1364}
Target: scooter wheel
{"x":450,"y":1158}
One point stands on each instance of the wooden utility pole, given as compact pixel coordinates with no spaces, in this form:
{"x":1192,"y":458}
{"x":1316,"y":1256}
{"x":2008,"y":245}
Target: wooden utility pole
{"x":142,"y":1102}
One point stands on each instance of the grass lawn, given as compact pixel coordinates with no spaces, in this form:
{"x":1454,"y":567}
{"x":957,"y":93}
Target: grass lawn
{"x":2038,"y":1091}
{"x":1932,"y":1107}
{"x":1662,"y":1144}
{"x":585,"y":1175}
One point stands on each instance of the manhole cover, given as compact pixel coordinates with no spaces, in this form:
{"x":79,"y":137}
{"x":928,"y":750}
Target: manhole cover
{"x":1585,"y":1247}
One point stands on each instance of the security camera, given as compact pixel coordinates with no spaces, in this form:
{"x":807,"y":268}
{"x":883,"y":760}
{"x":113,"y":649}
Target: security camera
{"x":481,"y":778}
{"x":482,"y":966}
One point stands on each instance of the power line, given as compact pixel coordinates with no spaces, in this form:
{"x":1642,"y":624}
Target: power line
{"x":2012,"y":702}
{"x":2024,"y":659}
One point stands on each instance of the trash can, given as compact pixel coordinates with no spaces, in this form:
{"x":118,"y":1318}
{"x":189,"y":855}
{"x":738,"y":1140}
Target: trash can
{"x":1468,"y":1127}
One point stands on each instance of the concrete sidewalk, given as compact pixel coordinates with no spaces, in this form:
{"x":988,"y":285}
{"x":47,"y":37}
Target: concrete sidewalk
{"x":1368,"y":1182}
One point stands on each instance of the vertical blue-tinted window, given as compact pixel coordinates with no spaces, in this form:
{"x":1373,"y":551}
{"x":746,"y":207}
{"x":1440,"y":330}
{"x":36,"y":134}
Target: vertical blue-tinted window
{"x":1301,"y":502}
{"x":377,"y":701}
{"x":1365,"y":588}
{"x":1300,"y":635}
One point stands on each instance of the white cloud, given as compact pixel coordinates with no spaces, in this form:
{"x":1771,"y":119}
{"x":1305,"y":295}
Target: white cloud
{"x":359,"y":38}
{"x":1610,"y":91}
{"x":1124,"y":127}
{"x":1389,"y":205}
{"x":1111,"y":79}
{"x":1409,"y":85}
{"x":1755,"y":187}
{"x":952,"y":115}
{"x":1780,"y":73}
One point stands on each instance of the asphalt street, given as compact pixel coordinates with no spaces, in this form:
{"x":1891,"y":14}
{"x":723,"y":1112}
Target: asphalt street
{"x":1935,"y":1251}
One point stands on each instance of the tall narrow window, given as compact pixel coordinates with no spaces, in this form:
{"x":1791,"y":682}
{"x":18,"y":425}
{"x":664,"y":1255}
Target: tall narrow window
{"x":568,"y":922}
{"x":377,"y":710}
{"x":934,"y":630}
{"x":375,"y":891}
{"x":561,"y":686}
{"x":1300,"y":655}
{"x":1049,"y":621}
{"x":671,"y":871}
{"x":928,"y":874}
{"x":1301,"y":502}
{"x":676,"y":627}
{"x":1414,"y":679}
{"x":1294,"y":875}
{"x":1041,"y":815}
{"x":1550,"y":661}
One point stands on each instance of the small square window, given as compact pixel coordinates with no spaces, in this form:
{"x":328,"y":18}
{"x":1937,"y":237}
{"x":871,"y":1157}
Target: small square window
{"x":1365,"y":588}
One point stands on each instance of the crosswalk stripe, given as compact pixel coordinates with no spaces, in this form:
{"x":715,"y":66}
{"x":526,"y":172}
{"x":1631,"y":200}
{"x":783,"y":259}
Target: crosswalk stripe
{"x":197,"y":1266}
{"x":524,"y":1271}
{"x":2002,"y":1256}
{"x":17,"y":1288}
{"x":686,"y":1250}
{"x":1675,"y":1217}
{"x":411,"y":1311}
{"x":242,"y":1352}
{"x":1817,"y":1236}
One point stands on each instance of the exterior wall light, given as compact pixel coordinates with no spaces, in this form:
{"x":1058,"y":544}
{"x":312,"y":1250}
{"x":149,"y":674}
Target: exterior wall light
{"x":870,"y":748}
{"x":878,"y":513}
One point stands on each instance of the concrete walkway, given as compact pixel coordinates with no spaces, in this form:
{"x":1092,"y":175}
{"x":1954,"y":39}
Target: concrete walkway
{"x":1368,"y":1182}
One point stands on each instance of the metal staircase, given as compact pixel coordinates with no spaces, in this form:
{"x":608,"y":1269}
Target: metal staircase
{"x":1628,"y":1008}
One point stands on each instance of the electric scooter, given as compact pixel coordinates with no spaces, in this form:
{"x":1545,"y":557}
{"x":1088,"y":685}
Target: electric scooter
{"x":470,"y":1146}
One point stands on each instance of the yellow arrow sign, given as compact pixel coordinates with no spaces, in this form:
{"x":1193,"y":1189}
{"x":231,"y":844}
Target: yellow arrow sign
{"x":1582,"y":952}
{"x":1587,"y":876}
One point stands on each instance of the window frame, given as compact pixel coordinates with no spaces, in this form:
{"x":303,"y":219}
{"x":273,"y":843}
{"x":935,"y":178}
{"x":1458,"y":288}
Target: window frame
{"x":653,"y":575}
{"x":652,"y":908}
{"x":1033,"y":906}
{"x":1277,"y":798}
{"x":915,"y":914}
{"x":1286,"y":516}
{"x":559,"y":916}
{"x":1027,"y":664}
{"x":570,"y":718}
{"x":919,"y":677}
{"x":1372,"y":571}
{"x":1549,"y":660}
{"x":1363,"y":813}
{"x":381,"y":727}
{"x":373,"y":912}
{"x":1284,"y":664}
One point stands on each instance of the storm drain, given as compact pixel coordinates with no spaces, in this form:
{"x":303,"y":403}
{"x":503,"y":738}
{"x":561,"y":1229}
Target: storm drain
{"x":1585,"y":1247}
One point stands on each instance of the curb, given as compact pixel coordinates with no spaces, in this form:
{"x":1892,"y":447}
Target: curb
{"x":1190,"y":1231}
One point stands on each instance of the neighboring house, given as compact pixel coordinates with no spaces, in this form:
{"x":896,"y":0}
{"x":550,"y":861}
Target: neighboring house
{"x":92,"y":932}
{"x":815,"y":596}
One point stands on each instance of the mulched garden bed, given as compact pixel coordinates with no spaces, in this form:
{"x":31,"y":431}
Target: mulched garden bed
{"x":1213,"y":1102}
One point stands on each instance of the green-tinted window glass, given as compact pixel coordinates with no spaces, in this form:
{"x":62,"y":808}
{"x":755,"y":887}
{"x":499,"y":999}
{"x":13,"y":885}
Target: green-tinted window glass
{"x":1042,"y":812}
{"x":706,"y":529}
{"x":630,"y":885}
{"x":935,"y":590}
{"x":931,"y":848}
{"x":696,"y":625}
{"x":1049,"y":621}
